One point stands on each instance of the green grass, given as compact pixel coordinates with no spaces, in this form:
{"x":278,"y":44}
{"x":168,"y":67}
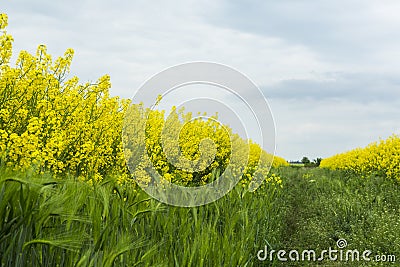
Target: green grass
{"x":48,"y":222}
{"x":45,"y":222}
{"x":322,"y":206}
{"x":296,"y":165}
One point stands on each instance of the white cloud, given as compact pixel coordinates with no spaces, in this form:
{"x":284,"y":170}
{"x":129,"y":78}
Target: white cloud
{"x":134,"y":41}
{"x":271,"y":42}
{"x":325,"y":127}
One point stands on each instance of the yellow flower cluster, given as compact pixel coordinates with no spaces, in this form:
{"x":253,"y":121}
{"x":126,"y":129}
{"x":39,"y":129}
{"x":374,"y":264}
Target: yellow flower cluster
{"x":61,"y":125}
{"x":380,"y":157}
{"x":5,"y":41}
{"x":189,"y":151}
{"x":53,"y":123}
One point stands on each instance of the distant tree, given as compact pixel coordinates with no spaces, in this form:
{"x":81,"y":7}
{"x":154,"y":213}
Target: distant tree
{"x":317,"y":162}
{"x":305,"y":161}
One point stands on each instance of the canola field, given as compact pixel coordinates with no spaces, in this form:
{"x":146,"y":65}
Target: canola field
{"x":52,"y":122}
{"x":69,"y":198}
{"x":381,"y":157}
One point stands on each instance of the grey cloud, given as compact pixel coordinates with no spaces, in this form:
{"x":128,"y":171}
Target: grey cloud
{"x":360,"y":87}
{"x":340,"y":32}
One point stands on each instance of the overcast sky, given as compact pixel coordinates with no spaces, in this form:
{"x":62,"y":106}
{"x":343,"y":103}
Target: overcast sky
{"x":330,"y":70}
